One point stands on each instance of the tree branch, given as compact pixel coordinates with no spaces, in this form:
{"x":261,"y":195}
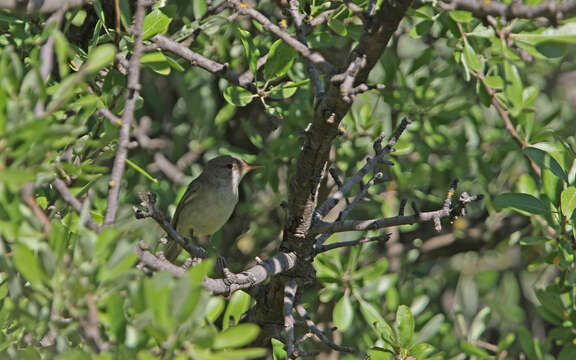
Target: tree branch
{"x":550,"y":9}
{"x":302,"y":49}
{"x":289,"y":296}
{"x":28,"y":197}
{"x":75,"y":203}
{"x":196,"y":59}
{"x":301,"y":35}
{"x":370,"y":164}
{"x":147,"y":209}
{"x":373,"y":224}
{"x":363,"y":240}
{"x":260,"y":272}
{"x":132,"y":93}
{"x":319,"y":333}
{"x":39,"y":6}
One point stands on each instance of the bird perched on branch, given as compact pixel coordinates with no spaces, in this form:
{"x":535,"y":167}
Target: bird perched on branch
{"x":209,"y":200}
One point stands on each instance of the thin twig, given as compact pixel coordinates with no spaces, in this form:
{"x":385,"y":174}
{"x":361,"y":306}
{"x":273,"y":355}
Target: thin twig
{"x":418,"y":217}
{"x":28,"y":197}
{"x":319,"y":333}
{"x":132,"y":92}
{"x":196,"y":59}
{"x":302,"y":49}
{"x":501,"y":111}
{"x":380,"y":153}
{"x":75,"y":203}
{"x":350,"y":205}
{"x":301,"y":35}
{"x":504,"y":36}
{"x":147,"y":209}
{"x":323,"y":248}
{"x":47,"y":54}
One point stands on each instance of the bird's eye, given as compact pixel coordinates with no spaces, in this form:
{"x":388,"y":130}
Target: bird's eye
{"x":229,"y":166}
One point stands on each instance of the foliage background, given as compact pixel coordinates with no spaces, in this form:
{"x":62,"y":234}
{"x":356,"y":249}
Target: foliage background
{"x":498,"y":283}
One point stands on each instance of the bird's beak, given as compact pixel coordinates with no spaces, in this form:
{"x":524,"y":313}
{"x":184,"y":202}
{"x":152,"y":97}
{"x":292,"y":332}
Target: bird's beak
{"x":249,"y":167}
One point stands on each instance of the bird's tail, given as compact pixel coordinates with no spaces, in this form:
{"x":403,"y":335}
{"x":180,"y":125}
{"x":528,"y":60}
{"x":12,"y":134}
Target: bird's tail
{"x":172,"y":250}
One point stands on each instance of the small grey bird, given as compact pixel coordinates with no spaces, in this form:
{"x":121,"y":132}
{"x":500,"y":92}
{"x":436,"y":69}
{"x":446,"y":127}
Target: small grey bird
{"x":209,"y":200}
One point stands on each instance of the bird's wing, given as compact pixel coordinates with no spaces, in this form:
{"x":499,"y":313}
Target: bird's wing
{"x":188,"y":196}
{"x":172,"y":249}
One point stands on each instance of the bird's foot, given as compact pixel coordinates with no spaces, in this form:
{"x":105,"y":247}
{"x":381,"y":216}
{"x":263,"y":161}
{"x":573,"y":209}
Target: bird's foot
{"x":221,"y":266}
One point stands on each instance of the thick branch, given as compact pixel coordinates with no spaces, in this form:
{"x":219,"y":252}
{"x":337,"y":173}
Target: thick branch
{"x":257,"y":274}
{"x":550,"y":9}
{"x":133,"y":91}
{"x":324,"y":128}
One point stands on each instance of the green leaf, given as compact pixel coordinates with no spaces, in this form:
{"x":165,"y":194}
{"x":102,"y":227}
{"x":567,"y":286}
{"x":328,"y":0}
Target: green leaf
{"x":473,"y":350}
{"x":250,"y":50}
{"x":461,"y":16}
{"x":506,"y":341}
{"x":343,"y":313}
{"x":404,"y":326}
{"x":472,"y":59}
{"x":422,"y":28}
{"x":376,"y":353}
{"x":520,"y":202}
{"x":253,"y":134}
{"x":279,"y":61}
{"x":544,"y":160}
{"x":142,"y":171}
{"x":156,"y":61}
{"x":155,"y":23}
{"x":214,"y":308}
{"x":283,"y":91}
{"x":100,"y":57}
{"x":565,"y":33}
{"x":27,"y":264}
{"x":370,"y":313}
{"x":568,"y":352}
{"x":551,"y":49}
{"x":226,"y":113}
{"x":105,"y":244}
{"x":278,"y":349}
{"x":495,"y":82}
{"x":479,"y":324}
{"x":551,"y":302}
{"x":236,"y":336}
{"x":338,"y":27}
{"x":238,"y":96}
{"x":198,"y":8}
{"x":430,"y":329}
{"x":239,"y":354}
{"x":421,"y":351}
{"x":238,"y":305}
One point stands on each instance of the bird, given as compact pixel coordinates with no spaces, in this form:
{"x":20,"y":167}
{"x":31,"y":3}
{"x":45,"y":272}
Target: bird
{"x":209,"y":200}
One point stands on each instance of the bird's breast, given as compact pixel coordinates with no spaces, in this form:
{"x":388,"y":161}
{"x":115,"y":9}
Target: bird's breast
{"x":208,"y":211}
